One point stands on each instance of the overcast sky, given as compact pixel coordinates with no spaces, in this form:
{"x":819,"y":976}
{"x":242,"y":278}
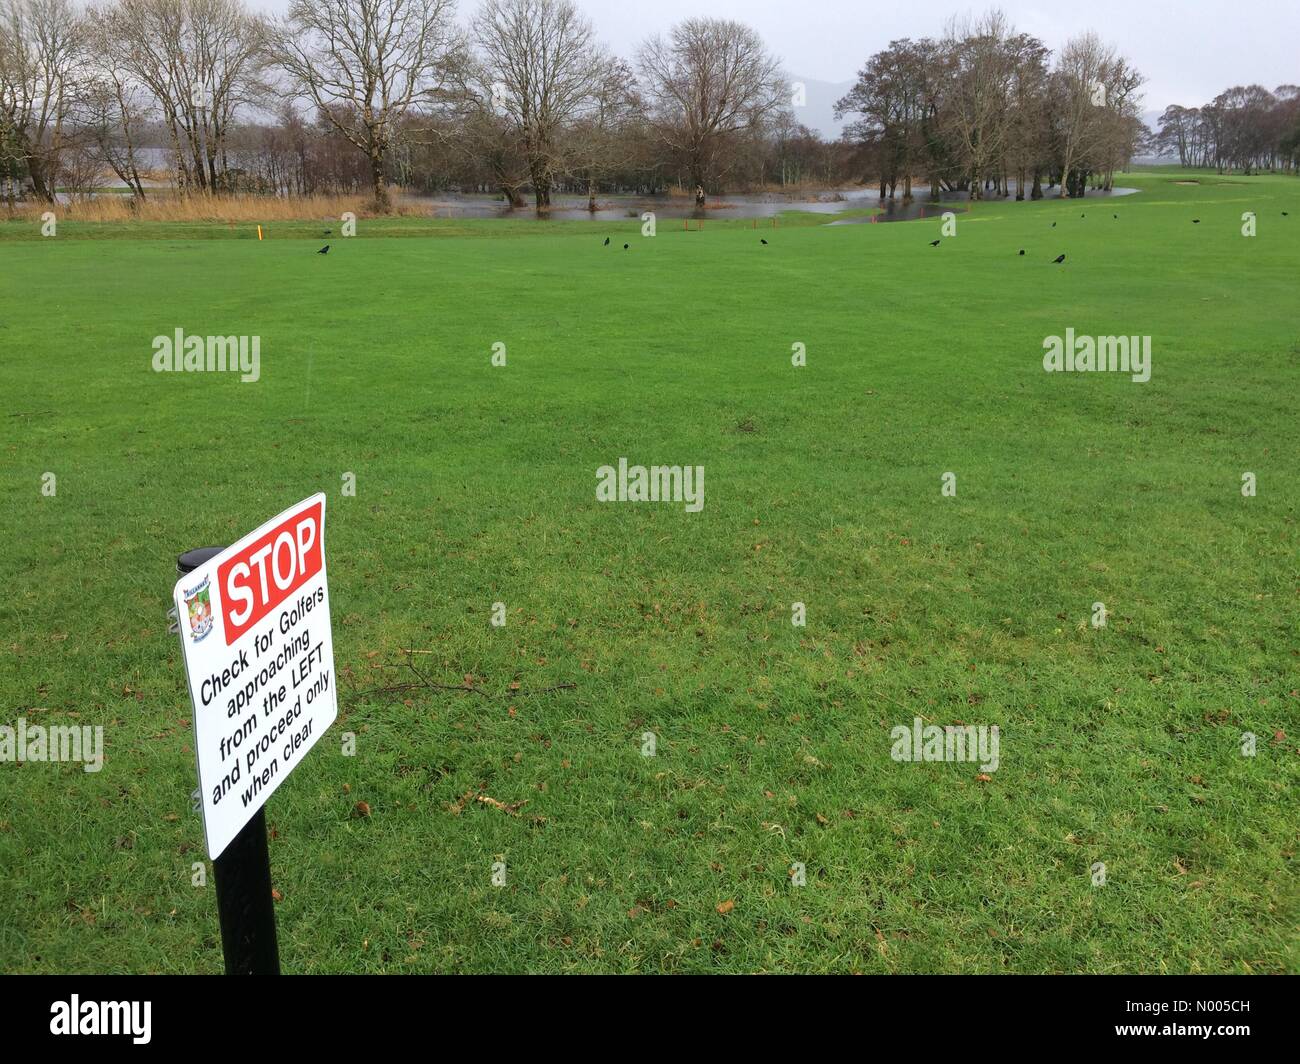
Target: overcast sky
{"x":1189,"y":50}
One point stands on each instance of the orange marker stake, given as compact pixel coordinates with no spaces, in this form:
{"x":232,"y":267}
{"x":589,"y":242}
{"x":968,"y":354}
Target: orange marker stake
{"x":259,"y":232}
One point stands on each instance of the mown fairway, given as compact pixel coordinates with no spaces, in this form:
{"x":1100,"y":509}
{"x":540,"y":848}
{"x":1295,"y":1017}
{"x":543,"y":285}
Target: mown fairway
{"x":476,"y":484}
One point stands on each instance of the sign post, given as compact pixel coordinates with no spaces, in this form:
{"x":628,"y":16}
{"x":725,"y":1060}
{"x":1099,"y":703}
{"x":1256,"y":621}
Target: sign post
{"x":259,"y":663}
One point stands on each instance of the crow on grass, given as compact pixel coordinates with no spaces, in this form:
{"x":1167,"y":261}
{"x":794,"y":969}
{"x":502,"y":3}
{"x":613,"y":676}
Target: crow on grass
{"x":324,"y":251}
{"x":1059,"y":259}
{"x":761,"y":240}
{"x":606,"y":241}
{"x":934,"y":243}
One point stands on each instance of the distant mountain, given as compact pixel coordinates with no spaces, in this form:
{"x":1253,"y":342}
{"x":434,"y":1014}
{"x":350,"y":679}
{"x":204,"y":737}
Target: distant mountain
{"x":818,"y":111}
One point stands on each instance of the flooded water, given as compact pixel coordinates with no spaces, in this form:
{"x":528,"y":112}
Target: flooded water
{"x":609,"y":208}
{"x":619,"y":207}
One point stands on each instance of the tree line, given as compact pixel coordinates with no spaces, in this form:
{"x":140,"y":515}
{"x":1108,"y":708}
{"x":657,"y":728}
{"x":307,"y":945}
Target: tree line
{"x":340,"y":95}
{"x":986,"y":108}
{"x":205,"y":96}
{"x":1244,"y":128}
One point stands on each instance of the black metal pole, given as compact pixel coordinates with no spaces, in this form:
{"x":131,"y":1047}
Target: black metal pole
{"x":245,"y":907}
{"x":244,"y":903}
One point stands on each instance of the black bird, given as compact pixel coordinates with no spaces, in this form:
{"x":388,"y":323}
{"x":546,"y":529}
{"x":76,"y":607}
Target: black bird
{"x":1059,"y":259}
{"x":1196,"y":221}
{"x":626,"y":246}
{"x":1053,"y":225}
{"x":1083,"y":216}
{"x":328,"y":232}
{"x":761,"y":240}
{"x":1285,"y":214}
{"x":324,"y":251}
{"x":1022,"y":251}
{"x":934,"y":243}
{"x":1115,"y":216}
{"x":606,"y":241}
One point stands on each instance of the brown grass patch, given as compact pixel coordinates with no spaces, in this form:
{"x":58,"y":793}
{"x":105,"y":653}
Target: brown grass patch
{"x":169,"y":207}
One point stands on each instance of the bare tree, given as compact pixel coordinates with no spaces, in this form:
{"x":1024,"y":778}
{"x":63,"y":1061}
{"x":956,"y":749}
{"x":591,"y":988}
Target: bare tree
{"x":605,"y":139}
{"x":891,"y":97}
{"x":544,"y":68}
{"x":365,"y":64}
{"x":978,"y":105}
{"x":1027,"y":146}
{"x":1079,"y":103}
{"x":711,"y":83}
{"x":1178,"y":133}
{"x":111,"y":105}
{"x":200,"y":61}
{"x":1121,"y":123}
{"x":107,"y":116}
{"x":41,"y":55}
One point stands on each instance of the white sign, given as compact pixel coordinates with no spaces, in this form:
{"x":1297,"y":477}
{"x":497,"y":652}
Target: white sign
{"x":259,"y":661}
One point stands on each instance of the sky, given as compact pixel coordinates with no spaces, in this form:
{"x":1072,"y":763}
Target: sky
{"x":1189,"y":50}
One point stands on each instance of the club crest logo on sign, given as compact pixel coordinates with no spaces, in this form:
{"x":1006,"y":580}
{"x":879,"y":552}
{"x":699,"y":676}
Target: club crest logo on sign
{"x":198,"y":607}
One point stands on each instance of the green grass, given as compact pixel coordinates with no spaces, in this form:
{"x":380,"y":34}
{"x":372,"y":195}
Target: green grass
{"x":476,"y":484}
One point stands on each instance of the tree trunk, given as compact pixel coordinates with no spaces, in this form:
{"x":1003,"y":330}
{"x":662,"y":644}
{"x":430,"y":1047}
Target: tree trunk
{"x":541,"y":189}
{"x":383,"y":204}
{"x":36,"y":171}
{"x":696,"y":175}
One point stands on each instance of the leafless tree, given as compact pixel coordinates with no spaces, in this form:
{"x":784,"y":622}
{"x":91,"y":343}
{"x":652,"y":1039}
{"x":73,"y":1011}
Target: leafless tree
{"x":893,"y":103}
{"x":107,"y":117}
{"x":366,"y":64}
{"x":200,"y":61}
{"x":1120,"y":121}
{"x":111,"y":105}
{"x":978,"y":105}
{"x":606,"y":139}
{"x":1027,"y":141}
{"x":545,"y":68}
{"x":710,"y":84}
{"x":41,"y":54}
{"x":1079,"y":103}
